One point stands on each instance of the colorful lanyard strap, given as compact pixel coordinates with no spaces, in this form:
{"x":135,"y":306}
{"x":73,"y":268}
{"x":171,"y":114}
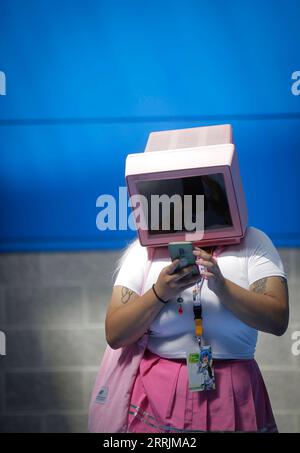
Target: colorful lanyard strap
{"x":197,"y":304}
{"x":198,"y":311}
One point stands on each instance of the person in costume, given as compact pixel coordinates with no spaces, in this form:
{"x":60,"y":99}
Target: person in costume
{"x":242,"y":288}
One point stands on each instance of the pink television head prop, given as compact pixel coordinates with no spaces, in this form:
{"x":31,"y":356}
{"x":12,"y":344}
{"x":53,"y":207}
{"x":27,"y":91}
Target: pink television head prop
{"x":200,"y":160}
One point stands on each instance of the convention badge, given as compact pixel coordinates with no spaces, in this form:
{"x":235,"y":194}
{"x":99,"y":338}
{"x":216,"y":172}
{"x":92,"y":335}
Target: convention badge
{"x":200,"y":370}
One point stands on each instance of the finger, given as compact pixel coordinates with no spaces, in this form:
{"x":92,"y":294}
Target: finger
{"x":205,"y":263}
{"x":207,"y":275}
{"x":190,"y":272}
{"x":197,"y":251}
{"x":172,"y":267}
{"x":185,"y":272}
{"x":185,"y":284}
{"x":202,"y":254}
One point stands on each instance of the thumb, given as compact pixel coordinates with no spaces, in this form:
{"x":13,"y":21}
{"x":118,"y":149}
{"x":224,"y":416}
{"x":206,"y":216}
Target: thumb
{"x":172,"y":267}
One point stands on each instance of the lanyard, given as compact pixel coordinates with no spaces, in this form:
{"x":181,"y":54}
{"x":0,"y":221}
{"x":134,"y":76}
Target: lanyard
{"x":197,"y":304}
{"x":198,"y":311}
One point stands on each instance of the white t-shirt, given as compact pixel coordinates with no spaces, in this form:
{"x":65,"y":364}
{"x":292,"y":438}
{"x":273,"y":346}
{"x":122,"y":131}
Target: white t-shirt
{"x":171,"y":333}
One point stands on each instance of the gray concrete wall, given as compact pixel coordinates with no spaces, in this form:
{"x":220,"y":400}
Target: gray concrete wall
{"x":52,"y":309}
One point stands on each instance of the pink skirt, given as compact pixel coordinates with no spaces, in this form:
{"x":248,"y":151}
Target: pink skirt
{"x":161,"y":401}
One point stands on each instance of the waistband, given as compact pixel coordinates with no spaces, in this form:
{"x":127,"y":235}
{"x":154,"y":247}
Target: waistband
{"x":183,"y":360}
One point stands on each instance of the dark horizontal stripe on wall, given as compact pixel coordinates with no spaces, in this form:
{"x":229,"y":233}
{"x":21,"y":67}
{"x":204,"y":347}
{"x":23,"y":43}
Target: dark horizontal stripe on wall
{"x":79,"y":247}
{"x":57,"y":246}
{"x":110,"y":239}
{"x":117,"y":244}
{"x":147,"y":119}
{"x":60,"y":239}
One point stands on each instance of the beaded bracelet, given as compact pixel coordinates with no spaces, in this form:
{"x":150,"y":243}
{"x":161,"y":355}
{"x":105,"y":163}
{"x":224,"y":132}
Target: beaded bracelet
{"x":163,"y":301}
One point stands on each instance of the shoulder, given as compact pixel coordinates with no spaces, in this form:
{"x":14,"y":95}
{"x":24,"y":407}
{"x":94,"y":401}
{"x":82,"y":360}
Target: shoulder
{"x":131,"y":266}
{"x":262,"y":256}
{"x":135,"y":256}
{"x":255,"y":238}
{"x":256,"y":243}
{"x":257,"y":255}
{"x":134,"y":250}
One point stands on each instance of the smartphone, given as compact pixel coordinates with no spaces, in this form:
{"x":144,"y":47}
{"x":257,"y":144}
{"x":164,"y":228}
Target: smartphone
{"x":184,"y":252}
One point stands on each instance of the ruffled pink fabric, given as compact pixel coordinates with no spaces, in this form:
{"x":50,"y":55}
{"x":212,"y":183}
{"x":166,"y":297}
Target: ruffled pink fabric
{"x":161,"y":401}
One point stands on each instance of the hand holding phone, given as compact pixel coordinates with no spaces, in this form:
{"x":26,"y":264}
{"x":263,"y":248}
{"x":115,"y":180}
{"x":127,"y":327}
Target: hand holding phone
{"x":184,"y":252}
{"x":176,"y":278}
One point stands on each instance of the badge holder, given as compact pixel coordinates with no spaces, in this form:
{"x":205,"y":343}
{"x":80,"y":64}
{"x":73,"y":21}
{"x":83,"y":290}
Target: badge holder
{"x":200,"y":364}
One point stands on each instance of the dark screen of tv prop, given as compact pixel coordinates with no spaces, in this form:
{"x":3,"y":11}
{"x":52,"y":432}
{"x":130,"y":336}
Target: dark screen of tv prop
{"x":216,"y":208}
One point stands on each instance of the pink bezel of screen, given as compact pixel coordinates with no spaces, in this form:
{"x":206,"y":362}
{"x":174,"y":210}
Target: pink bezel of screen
{"x":217,"y":236}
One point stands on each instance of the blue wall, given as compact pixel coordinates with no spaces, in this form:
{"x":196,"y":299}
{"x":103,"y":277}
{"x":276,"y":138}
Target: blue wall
{"x":88,"y":81}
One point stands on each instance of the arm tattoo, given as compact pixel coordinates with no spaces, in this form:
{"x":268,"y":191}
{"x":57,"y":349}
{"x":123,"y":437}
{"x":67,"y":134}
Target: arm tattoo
{"x":259,"y":286}
{"x":126,"y":294}
{"x":283,"y":281}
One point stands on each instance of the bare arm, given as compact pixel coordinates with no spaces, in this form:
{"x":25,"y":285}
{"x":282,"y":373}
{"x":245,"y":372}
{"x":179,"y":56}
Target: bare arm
{"x":264,"y":307}
{"x":129,"y":315}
